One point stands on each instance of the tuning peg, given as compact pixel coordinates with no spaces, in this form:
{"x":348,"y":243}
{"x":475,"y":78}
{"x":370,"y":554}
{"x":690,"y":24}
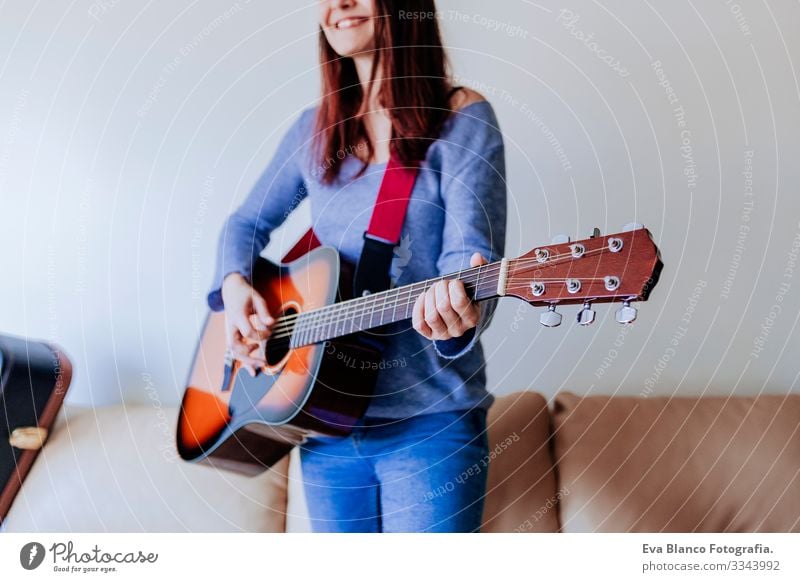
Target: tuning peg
{"x":626,"y":313}
{"x":586,"y":315}
{"x":560,"y":239}
{"x":595,"y":233}
{"x":632,"y":226}
{"x":551,"y":317}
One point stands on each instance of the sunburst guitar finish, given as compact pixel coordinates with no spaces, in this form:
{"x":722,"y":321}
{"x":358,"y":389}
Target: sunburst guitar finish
{"x":246,"y":424}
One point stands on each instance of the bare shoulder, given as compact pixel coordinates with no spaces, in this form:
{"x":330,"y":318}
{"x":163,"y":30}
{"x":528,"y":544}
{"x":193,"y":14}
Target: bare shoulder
{"x":463,"y":97}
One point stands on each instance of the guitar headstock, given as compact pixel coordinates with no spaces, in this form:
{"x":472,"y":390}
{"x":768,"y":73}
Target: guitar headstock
{"x":621,"y":267}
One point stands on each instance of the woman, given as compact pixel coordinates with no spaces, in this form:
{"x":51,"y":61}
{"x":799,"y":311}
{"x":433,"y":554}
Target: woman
{"x":417,"y":461}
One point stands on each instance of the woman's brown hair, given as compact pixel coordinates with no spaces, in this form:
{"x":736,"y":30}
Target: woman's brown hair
{"x":415,"y":88}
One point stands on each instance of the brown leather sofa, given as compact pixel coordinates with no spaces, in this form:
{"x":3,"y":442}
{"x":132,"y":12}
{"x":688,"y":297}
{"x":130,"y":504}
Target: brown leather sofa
{"x":658,"y":464}
{"x":581,"y":464}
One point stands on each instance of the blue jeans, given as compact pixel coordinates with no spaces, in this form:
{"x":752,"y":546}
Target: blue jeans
{"x":426,"y":473}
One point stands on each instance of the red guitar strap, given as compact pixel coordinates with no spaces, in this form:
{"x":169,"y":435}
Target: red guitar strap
{"x":390,"y":208}
{"x":307,"y":242}
{"x":383,"y":232}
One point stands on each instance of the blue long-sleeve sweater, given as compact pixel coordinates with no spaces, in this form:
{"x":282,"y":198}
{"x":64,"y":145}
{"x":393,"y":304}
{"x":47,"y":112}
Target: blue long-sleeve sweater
{"x":457,"y":207}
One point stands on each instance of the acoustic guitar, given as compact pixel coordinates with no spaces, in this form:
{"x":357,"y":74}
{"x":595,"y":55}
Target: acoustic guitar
{"x":310,"y":385}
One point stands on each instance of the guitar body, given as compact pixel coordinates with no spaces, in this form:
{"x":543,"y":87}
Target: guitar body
{"x":246,"y":424}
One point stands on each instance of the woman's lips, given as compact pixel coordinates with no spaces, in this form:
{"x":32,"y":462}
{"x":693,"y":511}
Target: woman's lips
{"x":350,"y":22}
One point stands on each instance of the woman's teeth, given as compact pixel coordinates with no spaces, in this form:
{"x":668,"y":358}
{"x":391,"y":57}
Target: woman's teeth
{"x":349,"y":22}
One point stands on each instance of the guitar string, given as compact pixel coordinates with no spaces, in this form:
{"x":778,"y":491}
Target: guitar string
{"x":338,"y":312}
{"x":371,"y":303}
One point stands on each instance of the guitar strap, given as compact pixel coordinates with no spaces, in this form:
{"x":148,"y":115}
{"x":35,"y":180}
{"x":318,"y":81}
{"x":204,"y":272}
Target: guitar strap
{"x":383,"y":233}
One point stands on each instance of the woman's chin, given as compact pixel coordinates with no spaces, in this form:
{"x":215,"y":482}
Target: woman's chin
{"x":351,"y":48}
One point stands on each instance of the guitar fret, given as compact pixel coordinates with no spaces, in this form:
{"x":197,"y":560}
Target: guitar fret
{"x":304,"y":322}
{"x":311,"y":323}
{"x":408,"y":306}
{"x":372,"y":315}
{"x":346,"y":317}
{"x":319,"y":327}
{"x":322,"y":327}
{"x":341,"y":319}
{"x":353,"y":325}
{"x":478,"y":282}
{"x":352,"y":320}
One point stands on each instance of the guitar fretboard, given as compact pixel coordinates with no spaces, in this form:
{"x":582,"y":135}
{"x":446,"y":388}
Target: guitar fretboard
{"x":392,"y":305}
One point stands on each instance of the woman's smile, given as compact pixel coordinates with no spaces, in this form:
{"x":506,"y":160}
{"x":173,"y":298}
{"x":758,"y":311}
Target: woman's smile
{"x":350,"y":22}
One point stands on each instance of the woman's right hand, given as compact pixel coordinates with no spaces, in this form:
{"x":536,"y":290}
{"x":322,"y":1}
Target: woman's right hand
{"x":247,"y":321}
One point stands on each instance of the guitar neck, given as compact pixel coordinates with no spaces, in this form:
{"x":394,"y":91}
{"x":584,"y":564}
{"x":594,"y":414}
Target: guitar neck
{"x":390,"y":306}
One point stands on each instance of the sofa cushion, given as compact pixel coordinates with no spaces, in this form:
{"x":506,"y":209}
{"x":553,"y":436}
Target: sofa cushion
{"x":521,"y":492}
{"x":709,"y":464}
{"x":116,"y":469}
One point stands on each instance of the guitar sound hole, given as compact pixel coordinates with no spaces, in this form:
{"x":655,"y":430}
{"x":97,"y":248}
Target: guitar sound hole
{"x":278,"y":343}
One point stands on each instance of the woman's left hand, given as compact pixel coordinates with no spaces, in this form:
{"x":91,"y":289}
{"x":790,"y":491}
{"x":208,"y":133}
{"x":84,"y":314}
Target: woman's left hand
{"x":445,"y":311}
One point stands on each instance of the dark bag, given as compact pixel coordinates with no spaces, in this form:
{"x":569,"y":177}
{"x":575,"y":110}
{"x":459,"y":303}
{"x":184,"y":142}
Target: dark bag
{"x":34,"y":377}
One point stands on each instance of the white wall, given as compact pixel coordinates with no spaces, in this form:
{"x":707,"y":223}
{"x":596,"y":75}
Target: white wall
{"x":129,"y":130}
